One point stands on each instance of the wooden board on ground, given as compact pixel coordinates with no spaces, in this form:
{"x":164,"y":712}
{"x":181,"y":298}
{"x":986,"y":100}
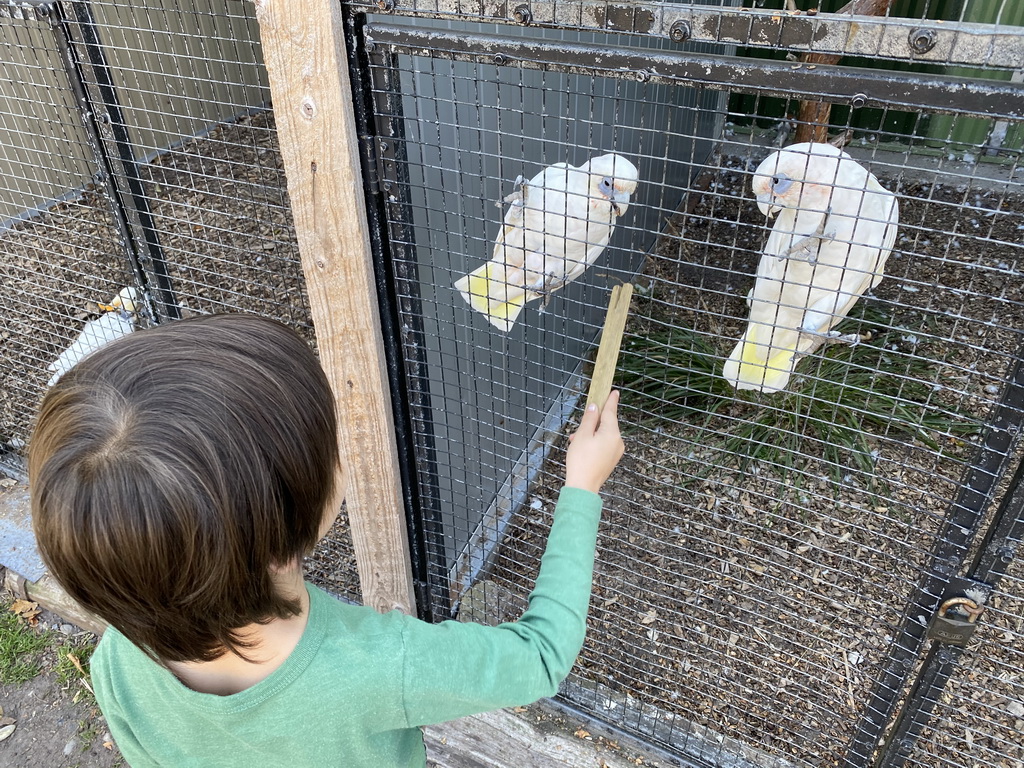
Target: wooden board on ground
{"x":538,"y":736}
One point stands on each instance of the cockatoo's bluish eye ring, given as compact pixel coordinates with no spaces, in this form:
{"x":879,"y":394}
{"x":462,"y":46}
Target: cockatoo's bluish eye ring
{"x":605,"y":186}
{"x":781,"y":184}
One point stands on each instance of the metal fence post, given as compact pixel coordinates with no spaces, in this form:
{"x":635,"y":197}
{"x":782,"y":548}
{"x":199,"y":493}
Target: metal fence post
{"x":981,"y":478}
{"x":135,"y":221}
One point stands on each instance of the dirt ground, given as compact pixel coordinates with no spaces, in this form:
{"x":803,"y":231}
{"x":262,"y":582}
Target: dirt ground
{"x":57,"y":725}
{"x":758,"y":600}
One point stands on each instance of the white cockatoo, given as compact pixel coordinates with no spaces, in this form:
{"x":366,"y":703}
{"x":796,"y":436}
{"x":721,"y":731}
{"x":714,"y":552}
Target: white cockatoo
{"x":117,"y":320}
{"x":834,"y":230}
{"x":557,"y":225}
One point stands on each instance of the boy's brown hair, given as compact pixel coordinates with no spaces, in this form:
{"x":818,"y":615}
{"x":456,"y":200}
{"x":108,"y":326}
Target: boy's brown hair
{"x":172,"y":469}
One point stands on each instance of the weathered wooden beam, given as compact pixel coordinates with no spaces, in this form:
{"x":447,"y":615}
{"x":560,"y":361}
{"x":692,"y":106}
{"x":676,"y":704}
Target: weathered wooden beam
{"x":51,"y":596}
{"x":536,"y":737}
{"x":305,"y":54}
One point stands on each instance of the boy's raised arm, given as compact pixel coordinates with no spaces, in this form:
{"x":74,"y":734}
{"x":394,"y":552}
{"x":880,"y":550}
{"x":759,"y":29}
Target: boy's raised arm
{"x":457,"y":669}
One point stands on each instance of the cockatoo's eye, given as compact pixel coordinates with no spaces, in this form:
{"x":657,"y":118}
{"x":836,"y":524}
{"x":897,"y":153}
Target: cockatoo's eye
{"x":781,"y":184}
{"x":605,"y":186}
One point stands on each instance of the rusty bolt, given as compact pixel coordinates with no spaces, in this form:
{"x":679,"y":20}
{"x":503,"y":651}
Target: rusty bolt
{"x":922,"y":40}
{"x":522,"y":14}
{"x":680,"y":32}
{"x":386,"y":5}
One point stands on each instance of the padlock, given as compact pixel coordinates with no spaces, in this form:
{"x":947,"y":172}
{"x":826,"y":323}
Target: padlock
{"x":955,"y":631}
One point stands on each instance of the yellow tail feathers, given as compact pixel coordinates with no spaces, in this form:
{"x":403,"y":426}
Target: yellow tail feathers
{"x":748,"y":367}
{"x":492,"y":296}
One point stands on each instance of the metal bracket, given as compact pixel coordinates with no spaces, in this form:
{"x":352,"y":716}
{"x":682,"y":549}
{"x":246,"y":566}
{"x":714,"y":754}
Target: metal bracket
{"x":385,"y":157}
{"x":40,"y":10}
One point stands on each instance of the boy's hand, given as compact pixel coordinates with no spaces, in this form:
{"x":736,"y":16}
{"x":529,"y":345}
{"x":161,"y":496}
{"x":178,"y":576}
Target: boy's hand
{"x":595,"y":448}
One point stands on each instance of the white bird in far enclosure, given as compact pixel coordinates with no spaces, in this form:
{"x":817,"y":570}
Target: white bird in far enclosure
{"x":117,"y":320}
{"x":835,"y":228}
{"x":556,"y":226}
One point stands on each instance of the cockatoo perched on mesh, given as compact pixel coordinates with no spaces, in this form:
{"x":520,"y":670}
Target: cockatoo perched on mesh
{"x":117,"y":320}
{"x":835,"y":229}
{"x":557,"y":225}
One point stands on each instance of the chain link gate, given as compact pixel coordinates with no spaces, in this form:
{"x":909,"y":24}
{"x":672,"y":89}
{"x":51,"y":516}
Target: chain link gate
{"x":733,"y":622}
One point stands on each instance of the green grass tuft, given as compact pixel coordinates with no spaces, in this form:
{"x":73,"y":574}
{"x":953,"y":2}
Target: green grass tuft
{"x":20,"y":649}
{"x":839,"y":401}
{"x":72,"y":669}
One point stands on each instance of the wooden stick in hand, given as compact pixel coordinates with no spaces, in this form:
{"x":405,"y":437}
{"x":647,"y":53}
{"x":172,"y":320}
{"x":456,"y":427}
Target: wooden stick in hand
{"x":611,"y":340}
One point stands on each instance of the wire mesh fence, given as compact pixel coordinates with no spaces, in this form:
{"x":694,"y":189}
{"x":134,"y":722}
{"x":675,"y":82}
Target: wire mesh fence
{"x":768,"y":561}
{"x":764,"y":555}
{"x":139,"y":149}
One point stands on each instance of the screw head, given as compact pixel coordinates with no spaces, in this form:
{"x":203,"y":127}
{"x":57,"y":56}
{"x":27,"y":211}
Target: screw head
{"x":522,"y":14}
{"x":680,"y":32}
{"x":858,"y":101}
{"x":922,"y":40}
{"x":500,"y":59}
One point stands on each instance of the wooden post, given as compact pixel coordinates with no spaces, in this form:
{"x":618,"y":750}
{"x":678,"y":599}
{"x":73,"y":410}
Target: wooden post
{"x":304,"y":50}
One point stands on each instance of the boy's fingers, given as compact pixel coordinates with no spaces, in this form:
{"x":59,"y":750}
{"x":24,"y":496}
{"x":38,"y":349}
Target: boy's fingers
{"x":610,"y":414}
{"x":589,"y":420}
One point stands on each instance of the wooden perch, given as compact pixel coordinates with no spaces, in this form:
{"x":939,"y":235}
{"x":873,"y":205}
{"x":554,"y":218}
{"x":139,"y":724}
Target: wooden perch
{"x":812,"y":122}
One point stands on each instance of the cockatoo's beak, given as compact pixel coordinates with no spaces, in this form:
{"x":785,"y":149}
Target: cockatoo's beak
{"x":620,"y":202}
{"x":764,"y":204}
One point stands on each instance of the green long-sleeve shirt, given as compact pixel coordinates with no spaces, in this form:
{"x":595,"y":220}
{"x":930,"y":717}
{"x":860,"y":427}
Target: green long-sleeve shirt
{"x":358,"y":684}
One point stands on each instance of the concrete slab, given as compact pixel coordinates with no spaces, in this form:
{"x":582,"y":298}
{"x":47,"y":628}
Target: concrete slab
{"x":17,"y":542}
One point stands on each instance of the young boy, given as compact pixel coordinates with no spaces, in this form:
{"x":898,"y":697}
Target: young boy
{"x":178,"y":477}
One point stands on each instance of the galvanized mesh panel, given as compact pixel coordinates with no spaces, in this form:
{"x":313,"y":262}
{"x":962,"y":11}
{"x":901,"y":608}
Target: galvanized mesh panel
{"x":59,"y":247}
{"x":760,"y":553}
{"x":188,"y":160}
